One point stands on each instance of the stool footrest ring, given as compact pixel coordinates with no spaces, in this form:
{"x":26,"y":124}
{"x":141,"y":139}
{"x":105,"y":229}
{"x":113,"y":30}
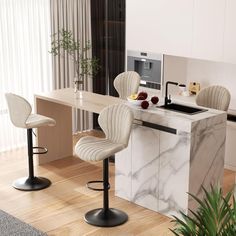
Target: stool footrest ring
{"x":41,"y":150}
{"x":94,"y":182}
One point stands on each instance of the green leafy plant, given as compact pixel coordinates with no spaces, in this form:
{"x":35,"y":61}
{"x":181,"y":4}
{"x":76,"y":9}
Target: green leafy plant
{"x":215,"y":216}
{"x":63,"y":43}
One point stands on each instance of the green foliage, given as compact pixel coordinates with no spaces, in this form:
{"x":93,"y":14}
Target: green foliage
{"x":63,"y":43}
{"x":215,"y":216}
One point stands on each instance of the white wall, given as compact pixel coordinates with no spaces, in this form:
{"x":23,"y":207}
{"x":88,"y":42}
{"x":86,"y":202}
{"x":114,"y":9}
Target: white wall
{"x":186,"y":70}
{"x":175,"y":69}
{"x":213,"y":73}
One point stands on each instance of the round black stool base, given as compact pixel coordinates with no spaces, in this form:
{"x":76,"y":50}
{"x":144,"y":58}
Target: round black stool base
{"x":27,"y":184}
{"x":112,"y":217}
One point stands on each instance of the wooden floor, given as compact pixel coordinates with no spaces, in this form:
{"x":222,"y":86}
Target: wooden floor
{"x":59,"y":209}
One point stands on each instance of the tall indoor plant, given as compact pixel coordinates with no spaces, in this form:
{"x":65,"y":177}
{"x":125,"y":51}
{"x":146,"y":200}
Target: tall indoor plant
{"x":215,"y":216}
{"x":63,"y":43}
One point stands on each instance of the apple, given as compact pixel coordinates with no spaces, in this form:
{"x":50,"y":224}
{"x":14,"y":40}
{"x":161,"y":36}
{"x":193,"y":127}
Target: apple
{"x":144,"y":94}
{"x":140,"y":97}
{"x":154,"y":99}
{"x":145,"y":104}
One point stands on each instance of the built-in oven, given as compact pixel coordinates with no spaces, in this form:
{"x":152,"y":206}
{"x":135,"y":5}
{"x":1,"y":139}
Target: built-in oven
{"x":148,"y":65}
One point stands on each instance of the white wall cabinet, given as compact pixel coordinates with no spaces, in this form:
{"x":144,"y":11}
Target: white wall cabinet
{"x":230,"y":32}
{"x":203,"y":29}
{"x":159,"y":26}
{"x":208,"y":29}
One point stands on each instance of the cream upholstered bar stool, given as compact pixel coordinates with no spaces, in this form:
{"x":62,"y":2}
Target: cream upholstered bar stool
{"x":216,"y":97}
{"x":116,"y":122}
{"x":127,"y":83}
{"x":20,"y":115}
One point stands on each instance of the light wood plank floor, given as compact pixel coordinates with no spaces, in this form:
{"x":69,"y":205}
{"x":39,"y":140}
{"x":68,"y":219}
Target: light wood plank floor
{"x":59,"y":210}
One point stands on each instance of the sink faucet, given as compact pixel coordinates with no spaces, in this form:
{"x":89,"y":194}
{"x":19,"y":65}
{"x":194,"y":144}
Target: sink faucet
{"x":168,"y":100}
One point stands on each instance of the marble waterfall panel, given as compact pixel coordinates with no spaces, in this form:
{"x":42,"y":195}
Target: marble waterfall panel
{"x":208,"y":148}
{"x":158,"y":168}
{"x":174,"y":173}
{"x":145,"y":166}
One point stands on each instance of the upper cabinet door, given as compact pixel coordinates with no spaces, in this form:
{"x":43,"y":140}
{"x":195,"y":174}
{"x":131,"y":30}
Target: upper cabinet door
{"x":208,"y":29}
{"x":159,"y":26}
{"x":230,"y":32}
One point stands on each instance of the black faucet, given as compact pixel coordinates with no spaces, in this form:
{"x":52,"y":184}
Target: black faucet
{"x":168,"y":100}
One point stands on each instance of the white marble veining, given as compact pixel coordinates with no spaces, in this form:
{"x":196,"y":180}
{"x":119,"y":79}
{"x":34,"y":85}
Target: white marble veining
{"x":174,"y":172}
{"x":145,"y":163}
{"x":160,"y":168}
{"x":208,"y":148}
{"x":123,"y":173}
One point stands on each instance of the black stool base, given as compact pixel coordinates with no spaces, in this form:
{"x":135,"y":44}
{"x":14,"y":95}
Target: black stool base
{"x":112,"y":217}
{"x":27,"y":184}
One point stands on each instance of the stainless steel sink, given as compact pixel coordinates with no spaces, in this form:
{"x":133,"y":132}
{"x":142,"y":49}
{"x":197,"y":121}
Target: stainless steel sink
{"x":182,"y":109}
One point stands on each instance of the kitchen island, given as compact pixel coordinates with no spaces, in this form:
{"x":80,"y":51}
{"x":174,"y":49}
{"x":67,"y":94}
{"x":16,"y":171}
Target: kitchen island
{"x":170,"y":154}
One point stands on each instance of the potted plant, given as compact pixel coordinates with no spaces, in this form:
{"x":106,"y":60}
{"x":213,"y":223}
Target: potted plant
{"x":63,"y":43}
{"x":215,"y":216}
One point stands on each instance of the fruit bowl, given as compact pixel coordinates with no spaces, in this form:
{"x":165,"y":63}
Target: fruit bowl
{"x":134,"y":102}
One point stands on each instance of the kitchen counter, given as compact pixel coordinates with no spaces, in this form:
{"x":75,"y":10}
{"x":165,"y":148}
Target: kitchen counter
{"x":176,"y":120}
{"x":160,"y":166}
{"x":169,"y":153}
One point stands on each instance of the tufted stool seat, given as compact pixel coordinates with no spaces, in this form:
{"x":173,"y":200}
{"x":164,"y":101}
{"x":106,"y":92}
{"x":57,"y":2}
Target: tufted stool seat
{"x":116,"y":122}
{"x":20,"y":115}
{"x":96,"y":149}
{"x":36,"y":120}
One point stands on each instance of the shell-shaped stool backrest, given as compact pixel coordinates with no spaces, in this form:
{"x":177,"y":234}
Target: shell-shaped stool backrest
{"x":127,"y":83}
{"x":116,"y":122}
{"x":216,"y":97}
{"x":19,"y":109}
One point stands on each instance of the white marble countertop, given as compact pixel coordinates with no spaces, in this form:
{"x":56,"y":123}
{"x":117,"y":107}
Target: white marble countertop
{"x":190,"y":100}
{"x":96,"y":102}
{"x":176,"y":120}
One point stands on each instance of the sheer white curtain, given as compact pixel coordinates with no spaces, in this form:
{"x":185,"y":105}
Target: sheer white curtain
{"x":75,"y":16}
{"x":25,"y":63}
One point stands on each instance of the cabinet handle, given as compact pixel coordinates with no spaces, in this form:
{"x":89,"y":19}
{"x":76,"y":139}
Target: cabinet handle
{"x":160,"y":127}
{"x":155,"y":126}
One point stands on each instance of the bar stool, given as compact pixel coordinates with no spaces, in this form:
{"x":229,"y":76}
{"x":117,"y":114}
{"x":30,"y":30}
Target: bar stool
{"x":216,"y":97}
{"x":127,"y":83}
{"x":116,"y":122}
{"x":20,"y":115}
